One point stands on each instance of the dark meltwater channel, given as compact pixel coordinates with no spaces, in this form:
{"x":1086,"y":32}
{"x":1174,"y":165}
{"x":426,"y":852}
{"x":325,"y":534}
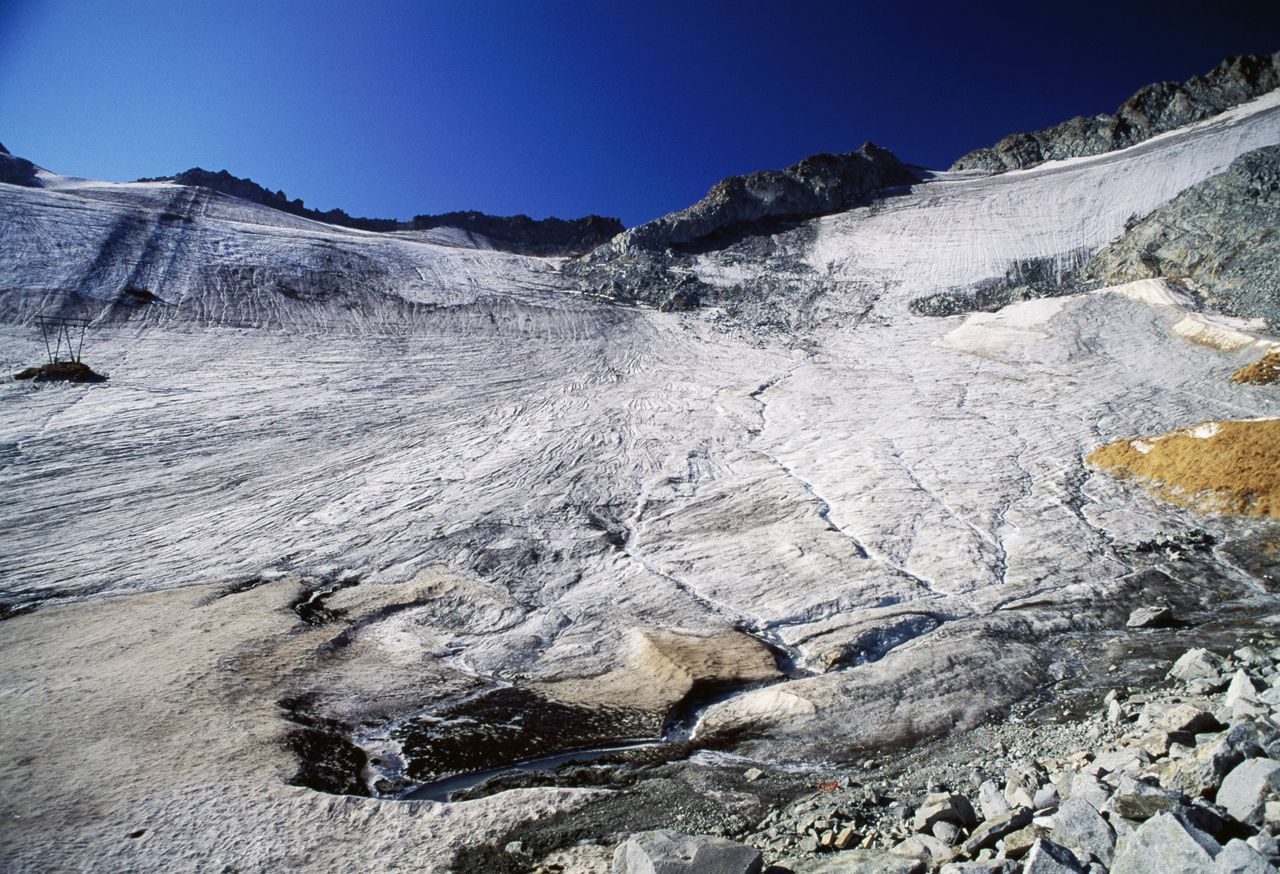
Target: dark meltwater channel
{"x":506,"y":731}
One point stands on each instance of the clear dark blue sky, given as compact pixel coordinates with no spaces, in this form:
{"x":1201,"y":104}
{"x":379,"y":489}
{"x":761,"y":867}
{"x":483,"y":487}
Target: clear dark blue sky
{"x":560,"y":107}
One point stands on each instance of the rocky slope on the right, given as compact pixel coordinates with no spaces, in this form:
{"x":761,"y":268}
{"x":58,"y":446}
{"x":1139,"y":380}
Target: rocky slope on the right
{"x":1153,"y":110}
{"x":1219,"y":238}
{"x":1180,"y":779}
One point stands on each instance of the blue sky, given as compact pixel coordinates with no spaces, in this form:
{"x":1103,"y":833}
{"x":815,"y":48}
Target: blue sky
{"x":390,"y":109}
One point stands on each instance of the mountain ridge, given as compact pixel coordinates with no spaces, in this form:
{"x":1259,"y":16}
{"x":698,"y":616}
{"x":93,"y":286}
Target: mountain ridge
{"x":1153,"y":109}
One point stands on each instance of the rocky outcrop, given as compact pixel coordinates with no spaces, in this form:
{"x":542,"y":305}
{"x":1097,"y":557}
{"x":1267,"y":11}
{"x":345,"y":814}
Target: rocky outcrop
{"x":1153,"y":110}
{"x":818,"y":185}
{"x":1218,"y":236}
{"x":517,"y":233}
{"x":654,"y":263}
{"x":1186,"y":780}
{"x":17,"y":171}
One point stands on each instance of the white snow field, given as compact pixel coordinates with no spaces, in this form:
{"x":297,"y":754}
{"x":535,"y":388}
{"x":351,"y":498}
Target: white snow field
{"x":517,"y":477}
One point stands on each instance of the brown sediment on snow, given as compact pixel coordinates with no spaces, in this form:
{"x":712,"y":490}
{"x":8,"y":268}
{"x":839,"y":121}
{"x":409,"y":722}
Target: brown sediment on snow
{"x":1226,"y":467}
{"x":1264,"y":371}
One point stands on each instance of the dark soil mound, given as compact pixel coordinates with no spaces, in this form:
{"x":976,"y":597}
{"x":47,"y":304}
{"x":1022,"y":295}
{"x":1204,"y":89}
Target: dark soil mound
{"x":63,"y":371}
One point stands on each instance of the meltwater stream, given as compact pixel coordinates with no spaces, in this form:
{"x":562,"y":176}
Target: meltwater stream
{"x":680,"y":726}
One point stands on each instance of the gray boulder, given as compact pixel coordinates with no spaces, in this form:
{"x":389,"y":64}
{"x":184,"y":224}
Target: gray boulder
{"x":993,"y":866}
{"x":1165,"y":844}
{"x":1200,"y":773}
{"x":1046,"y":857}
{"x":1250,"y":785}
{"x":1237,"y":857}
{"x":1197,"y":664}
{"x":668,"y":852}
{"x":942,"y":807}
{"x":992,"y":801}
{"x":866,"y":862}
{"x":995,"y":828}
{"x":1151,"y":617}
{"x":1077,"y":824}
{"x":1242,"y":688}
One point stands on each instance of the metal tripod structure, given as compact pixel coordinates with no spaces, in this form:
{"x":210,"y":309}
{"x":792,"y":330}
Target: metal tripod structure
{"x":58,"y":331}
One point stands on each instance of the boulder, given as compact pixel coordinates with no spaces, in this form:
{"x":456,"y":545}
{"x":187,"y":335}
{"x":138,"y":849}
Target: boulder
{"x":1046,"y":797}
{"x":1077,"y":824}
{"x":947,"y":832}
{"x":1046,"y":857}
{"x":926,"y":848}
{"x":1165,"y":844}
{"x":991,"y":866}
{"x":1130,"y":760}
{"x":994,"y":829}
{"x":867,"y":862}
{"x":991,"y":800}
{"x":943,"y":807}
{"x":1200,"y":773}
{"x":1141,"y":807}
{"x":1197,"y":664}
{"x":1250,"y":785}
{"x":1090,"y":788}
{"x":668,"y":852}
{"x":1017,"y":844}
{"x":1159,"y":616}
{"x":1176,"y":718}
{"x":1237,"y":857}
{"x":1242,"y":688}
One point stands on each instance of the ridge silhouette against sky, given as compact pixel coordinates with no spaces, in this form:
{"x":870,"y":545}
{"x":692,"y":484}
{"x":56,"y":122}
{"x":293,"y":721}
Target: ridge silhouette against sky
{"x":561,"y":107}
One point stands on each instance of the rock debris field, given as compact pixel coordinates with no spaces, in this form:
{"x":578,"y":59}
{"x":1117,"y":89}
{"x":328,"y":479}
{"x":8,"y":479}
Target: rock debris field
{"x":809,"y":576}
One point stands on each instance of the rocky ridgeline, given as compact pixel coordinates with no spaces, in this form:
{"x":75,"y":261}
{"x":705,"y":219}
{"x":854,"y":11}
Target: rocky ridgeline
{"x":1153,"y":110}
{"x":652,"y":263}
{"x":1183,"y":780}
{"x":516,"y":233}
{"x":818,"y":185}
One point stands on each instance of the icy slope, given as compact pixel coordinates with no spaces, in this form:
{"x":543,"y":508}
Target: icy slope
{"x":76,"y":246}
{"x":427,"y":473}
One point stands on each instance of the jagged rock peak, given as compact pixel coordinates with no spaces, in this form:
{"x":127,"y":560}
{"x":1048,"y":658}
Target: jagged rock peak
{"x":818,"y":185}
{"x":1153,"y":110}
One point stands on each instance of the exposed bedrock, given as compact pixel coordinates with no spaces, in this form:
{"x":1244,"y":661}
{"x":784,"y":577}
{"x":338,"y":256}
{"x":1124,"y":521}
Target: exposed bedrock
{"x":1153,"y":110}
{"x":818,"y":185}
{"x":1220,"y":237}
